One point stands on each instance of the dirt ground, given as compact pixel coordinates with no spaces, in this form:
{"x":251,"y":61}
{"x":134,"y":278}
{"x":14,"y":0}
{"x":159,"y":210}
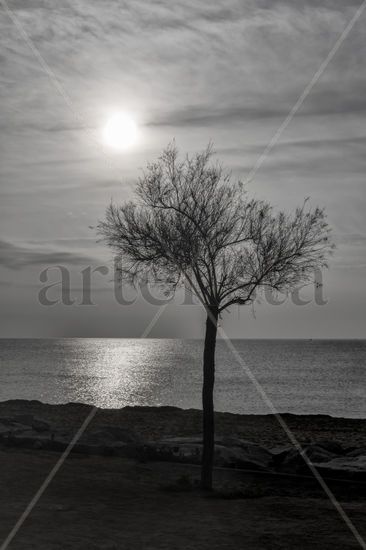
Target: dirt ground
{"x":109,"y":502}
{"x":113,"y":503}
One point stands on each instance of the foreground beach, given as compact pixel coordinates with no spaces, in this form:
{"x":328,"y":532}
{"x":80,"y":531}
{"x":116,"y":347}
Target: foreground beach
{"x":109,"y":500}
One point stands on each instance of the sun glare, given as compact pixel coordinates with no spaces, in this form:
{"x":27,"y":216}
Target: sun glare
{"x":120,"y":131}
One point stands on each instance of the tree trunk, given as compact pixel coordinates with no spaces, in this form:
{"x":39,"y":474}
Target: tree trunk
{"x":207,"y":399}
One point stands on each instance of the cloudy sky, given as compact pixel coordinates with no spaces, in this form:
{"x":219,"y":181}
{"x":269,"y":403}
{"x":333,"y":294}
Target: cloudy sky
{"x":194,"y":71}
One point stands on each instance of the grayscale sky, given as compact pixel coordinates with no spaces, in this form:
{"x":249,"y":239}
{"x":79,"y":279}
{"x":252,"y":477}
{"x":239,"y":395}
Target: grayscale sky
{"x":194,"y":71}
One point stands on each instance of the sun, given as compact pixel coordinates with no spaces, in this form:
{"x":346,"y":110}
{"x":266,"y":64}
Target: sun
{"x":120,"y":131}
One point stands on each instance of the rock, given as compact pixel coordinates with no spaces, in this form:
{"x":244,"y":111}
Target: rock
{"x":5,"y":430}
{"x":22,"y":422}
{"x":26,"y":419}
{"x":346,"y":467}
{"x":174,"y":451}
{"x":291,"y":461}
{"x":229,"y":452}
{"x":109,"y":440}
{"x":237,"y":457}
{"x":359,"y":451}
{"x":101,"y":441}
{"x":331,"y":446}
{"x":10,"y":421}
{"x":9,"y":428}
{"x":40,"y":425}
{"x":254,"y":453}
{"x":318,"y":454}
{"x":29,"y":439}
{"x":33,"y":422}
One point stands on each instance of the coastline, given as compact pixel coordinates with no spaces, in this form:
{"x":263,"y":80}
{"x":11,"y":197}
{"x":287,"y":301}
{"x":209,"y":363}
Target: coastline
{"x":153,"y":423}
{"x":299,"y":376}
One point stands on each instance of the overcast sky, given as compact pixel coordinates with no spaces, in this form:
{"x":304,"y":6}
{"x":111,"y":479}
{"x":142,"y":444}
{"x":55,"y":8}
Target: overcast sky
{"x":194,"y":71}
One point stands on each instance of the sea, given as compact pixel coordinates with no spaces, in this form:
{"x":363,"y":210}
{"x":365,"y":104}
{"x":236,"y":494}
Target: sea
{"x":293,"y":376}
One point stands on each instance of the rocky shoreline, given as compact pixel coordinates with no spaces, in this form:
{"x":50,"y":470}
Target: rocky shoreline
{"x":336,"y":446}
{"x":132,"y":480}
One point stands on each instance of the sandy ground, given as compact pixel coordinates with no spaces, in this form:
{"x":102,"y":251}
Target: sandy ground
{"x":111,"y":503}
{"x":108,"y":503}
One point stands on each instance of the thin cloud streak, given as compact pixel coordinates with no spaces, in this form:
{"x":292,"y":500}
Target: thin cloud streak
{"x":14,"y":256}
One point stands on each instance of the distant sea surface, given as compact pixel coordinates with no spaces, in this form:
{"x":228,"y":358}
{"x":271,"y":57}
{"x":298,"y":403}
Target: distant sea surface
{"x":299,"y":376}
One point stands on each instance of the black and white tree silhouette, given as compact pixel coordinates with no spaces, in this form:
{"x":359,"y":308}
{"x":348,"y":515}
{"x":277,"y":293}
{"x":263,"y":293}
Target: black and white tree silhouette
{"x":190,"y":224}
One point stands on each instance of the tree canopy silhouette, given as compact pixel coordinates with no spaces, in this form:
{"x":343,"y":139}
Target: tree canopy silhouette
{"x":191,"y":224}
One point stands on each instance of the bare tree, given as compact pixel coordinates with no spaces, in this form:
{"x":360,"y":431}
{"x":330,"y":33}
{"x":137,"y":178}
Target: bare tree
{"x":190,"y":224}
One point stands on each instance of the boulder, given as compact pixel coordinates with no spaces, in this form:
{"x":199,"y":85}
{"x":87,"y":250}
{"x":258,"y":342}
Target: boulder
{"x":28,"y":438}
{"x":359,"y":451}
{"x":9,"y":428}
{"x":344,"y":467}
{"x":292,"y":461}
{"x":109,"y":440}
{"x":36,"y":433}
{"x":173,"y":451}
{"x":26,"y":419}
{"x":315,"y":453}
{"x":23,"y":422}
{"x":229,"y":452}
{"x":241,"y":453}
{"x":40,"y":425}
{"x":249,"y":458}
{"x":331,"y":446}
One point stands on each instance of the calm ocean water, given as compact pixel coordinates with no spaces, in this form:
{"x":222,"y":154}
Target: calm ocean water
{"x":299,"y":376}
